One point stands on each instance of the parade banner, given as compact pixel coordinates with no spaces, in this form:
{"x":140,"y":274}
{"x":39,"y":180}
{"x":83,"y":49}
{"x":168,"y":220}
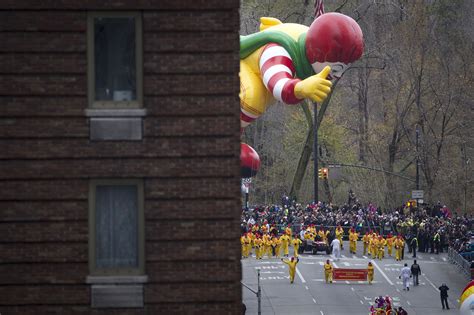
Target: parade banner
{"x":350,"y":274}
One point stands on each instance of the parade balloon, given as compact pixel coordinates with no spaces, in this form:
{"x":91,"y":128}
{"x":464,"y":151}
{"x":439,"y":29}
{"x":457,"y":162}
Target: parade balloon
{"x":285,"y":61}
{"x":467,"y":300}
{"x":249,"y":161}
{"x":290,"y":62}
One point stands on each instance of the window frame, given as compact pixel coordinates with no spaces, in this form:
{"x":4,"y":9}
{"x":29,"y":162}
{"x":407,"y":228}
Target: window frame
{"x":93,"y":270}
{"x":102,"y":104}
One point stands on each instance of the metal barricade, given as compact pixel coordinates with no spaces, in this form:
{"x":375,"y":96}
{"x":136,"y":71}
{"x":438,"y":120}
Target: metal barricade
{"x":456,"y":259}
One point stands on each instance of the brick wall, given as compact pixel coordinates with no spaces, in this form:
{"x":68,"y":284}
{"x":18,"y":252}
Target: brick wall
{"x":189,"y":156}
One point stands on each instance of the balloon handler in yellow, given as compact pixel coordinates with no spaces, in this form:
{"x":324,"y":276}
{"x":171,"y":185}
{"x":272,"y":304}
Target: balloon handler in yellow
{"x":289,"y":62}
{"x":370,"y":272}
{"x":292,"y":267}
{"x":328,"y":269}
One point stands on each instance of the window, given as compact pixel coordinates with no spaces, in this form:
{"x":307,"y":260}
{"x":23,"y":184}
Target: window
{"x":114,"y":60}
{"x":116,"y":227}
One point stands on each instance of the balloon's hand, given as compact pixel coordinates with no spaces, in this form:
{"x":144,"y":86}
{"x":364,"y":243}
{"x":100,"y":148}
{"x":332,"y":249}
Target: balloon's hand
{"x":316,"y":87}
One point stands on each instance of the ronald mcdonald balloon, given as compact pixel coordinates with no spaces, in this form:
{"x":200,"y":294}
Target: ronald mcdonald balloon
{"x":289,"y":62}
{"x":466,"y":301}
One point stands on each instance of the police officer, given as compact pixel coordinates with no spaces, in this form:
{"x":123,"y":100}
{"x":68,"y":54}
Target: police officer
{"x":443,"y":291}
{"x":415,"y":271}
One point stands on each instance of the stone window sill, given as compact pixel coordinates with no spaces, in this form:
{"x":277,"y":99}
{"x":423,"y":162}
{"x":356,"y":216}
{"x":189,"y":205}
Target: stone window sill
{"x":115,"y":124}
{"x":116,"y":279}
{"x":115,"y":112}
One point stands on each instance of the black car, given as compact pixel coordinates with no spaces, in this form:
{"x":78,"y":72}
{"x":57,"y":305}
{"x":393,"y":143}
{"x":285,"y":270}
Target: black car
{"x":315,"y":246}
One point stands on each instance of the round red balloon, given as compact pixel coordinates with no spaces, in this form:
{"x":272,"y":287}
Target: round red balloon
{"x":249,"y":161}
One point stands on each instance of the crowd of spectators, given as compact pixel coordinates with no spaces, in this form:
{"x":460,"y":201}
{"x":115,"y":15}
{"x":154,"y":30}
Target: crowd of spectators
{"x":436,"y":227}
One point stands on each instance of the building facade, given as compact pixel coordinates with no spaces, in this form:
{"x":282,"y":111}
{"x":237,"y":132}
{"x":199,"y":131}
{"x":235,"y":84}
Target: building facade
{"x":119,"y":157}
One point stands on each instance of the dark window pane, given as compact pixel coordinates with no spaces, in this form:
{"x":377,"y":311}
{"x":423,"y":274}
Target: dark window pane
{"x":116,"y":227}
{"x":114,"y":59}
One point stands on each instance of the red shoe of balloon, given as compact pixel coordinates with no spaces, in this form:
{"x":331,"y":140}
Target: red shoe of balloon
{"x":249,"y":161}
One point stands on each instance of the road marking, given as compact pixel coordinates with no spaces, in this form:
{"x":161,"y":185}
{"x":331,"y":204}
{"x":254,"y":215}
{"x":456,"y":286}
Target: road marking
{"x":321,"y":312}
{"x":352,"y":288}
{"x":444,"y":259}
{"x":314,"y":301}
{"x":408,"y":302}
{"x":306,"y":287}
{"x":398,"y":290}
{"x":435,"y":262}
{"x":354,"y":256}
{"x":343,"y":256}
{"x":272,"y":272}
{"x":361,"y":302}
{"x":365,"y":257}
{"x":270,"y":267}
{"x":419,"y":256}
{"x":383,"y":273}
{"x":308,"y":263}
{"x":321,"y":263}
{"x":299,"y":275}
{"x":347,"y":282}
{"x":432,"y":258}
{"x":429,"y":281}
{"x":334,"y":264}
{"x":346,"y":264}
{"x":270,"y":262}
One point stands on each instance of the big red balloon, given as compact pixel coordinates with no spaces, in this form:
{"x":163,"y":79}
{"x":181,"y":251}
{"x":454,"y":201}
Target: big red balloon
{"x":249,"y":161}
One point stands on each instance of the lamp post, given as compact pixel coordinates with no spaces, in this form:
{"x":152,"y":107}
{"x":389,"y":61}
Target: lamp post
{"x":417,"y":159}
{"x":315,"y":151}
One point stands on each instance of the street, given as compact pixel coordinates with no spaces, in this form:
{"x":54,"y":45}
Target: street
{"x":309,"y":294}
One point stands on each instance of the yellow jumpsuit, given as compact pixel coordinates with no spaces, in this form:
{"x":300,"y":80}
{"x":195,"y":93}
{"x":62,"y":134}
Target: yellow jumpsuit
{"x":285,"y":240}
{"x":370,"y":273}
{"x":292,"y":267}
{"x":277,"y":244}
{"x":328,"y":272}
{"x":389,"y":245}
{"x":402,"y":244}
{"x":353,"y":237}
{"x":242,"y":243}
{"x":381,"y":248}
{"x":267,"y":243}
{"x":398,"y":249}
{"x":366,"y":240}
{"x":373,"y":247}
{"x":296,"y":242}
{"x":339,"y":234}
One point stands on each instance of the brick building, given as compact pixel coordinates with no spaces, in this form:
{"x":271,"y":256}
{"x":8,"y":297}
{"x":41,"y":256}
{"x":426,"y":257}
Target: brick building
{"x":119,"y":157}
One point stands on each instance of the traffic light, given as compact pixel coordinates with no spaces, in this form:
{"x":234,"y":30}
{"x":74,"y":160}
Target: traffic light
{"x":411,"y":203}
{"x":323,"y":173}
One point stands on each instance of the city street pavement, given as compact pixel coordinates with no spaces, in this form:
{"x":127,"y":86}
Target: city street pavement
{"x":309,"y":294}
